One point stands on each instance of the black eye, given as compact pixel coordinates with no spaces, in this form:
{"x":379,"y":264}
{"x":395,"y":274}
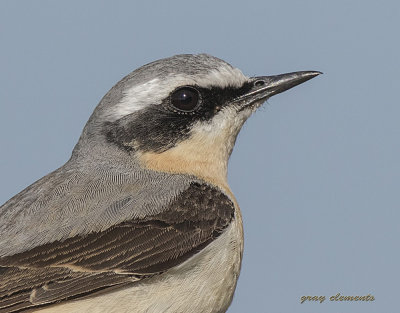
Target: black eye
{"x":185,"y":99}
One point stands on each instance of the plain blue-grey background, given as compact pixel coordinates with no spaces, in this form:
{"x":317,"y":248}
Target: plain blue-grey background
{"x":316,"y":170}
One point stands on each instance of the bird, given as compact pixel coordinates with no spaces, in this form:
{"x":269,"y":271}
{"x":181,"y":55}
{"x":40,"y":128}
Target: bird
{"x":141,"y":217}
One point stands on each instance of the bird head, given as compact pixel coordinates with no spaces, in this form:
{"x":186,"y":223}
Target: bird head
{"x":181,"y":114}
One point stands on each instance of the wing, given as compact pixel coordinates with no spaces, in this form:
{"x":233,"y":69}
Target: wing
{"x":124,"y":253}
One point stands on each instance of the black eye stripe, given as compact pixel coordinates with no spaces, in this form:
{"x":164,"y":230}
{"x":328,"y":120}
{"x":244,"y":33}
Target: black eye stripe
{"x":137,"y":131}
{"x":185,"y":99}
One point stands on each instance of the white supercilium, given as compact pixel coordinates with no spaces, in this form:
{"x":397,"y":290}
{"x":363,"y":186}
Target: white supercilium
{"x":154,"y":91}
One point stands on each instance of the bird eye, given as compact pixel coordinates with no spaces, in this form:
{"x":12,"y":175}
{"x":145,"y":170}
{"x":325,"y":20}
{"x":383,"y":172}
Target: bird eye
{"x":185,"y":99}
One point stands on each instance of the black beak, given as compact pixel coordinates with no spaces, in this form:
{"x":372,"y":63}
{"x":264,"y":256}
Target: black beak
{"x":268,"y":86}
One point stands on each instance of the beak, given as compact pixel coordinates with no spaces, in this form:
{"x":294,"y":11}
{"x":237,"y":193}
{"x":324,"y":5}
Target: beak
{"x":264,"y":87}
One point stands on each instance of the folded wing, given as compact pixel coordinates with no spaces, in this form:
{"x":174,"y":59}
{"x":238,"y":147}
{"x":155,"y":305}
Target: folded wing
{"x":122,"y":254}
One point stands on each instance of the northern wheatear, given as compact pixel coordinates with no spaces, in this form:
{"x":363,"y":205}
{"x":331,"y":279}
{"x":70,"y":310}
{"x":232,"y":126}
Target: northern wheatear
{"x":141,"y":218}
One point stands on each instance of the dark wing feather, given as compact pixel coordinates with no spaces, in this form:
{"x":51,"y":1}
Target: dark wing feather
{"x":82,"y":265}
{"x":25,"y":288}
